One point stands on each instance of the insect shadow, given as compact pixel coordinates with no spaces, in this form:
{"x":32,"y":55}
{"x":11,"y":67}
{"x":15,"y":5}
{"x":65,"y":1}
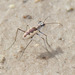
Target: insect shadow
{"x":30,"y":33}
{"x":48,"y":55}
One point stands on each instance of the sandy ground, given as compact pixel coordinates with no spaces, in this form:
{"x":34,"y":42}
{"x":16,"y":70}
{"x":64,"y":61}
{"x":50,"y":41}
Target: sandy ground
{"x":60,"y":60}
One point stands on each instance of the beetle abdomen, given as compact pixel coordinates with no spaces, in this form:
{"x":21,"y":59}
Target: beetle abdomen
{"x":32,"y":30}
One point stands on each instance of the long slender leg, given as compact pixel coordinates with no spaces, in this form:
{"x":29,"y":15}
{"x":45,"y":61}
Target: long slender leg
{"x":41,"y":45}
{"x":59,"y":24}
{"x":25,"y":48}
{"x":50,"y":47}
{"x":52,"y":22}
{"x":48,"y":43}
{"x":29,"y":44}
{"x":46,"y":40}
{"x":15,"y":37}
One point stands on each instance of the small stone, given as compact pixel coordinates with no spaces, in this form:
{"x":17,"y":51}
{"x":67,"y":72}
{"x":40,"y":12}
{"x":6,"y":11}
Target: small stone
{"x":24,"y":1}
{"x":62,"y":39}
{"x":11,"y":6}
{"x":27,"y":17}
{"x":37,"y":1}
{"x":36,"y":45}
{"x":69,"y":8}
{"x":2,"y":58}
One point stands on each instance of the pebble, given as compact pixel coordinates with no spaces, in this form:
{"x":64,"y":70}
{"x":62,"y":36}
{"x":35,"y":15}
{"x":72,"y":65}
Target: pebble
{"x":11,"y":6}
{"x":36,"y":45}
{"x":36,"y":1}
{"x":27,"y":17}
{"x":2,"y":58}
{"x":69,"y":8}
{"x":24,"y":1}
